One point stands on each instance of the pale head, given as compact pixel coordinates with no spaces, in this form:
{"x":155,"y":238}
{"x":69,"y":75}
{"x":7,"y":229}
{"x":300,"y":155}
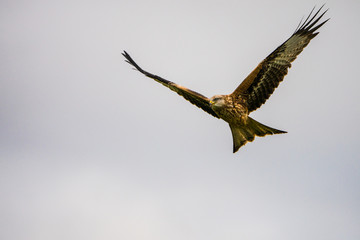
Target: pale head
{"x":218,"y":101}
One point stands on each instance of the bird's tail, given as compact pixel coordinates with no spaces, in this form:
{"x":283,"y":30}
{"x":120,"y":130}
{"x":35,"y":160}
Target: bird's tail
{"x":246,"y":133}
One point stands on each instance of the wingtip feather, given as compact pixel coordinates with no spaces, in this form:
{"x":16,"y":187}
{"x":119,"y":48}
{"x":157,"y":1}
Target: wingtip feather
{"x":309,"y":25}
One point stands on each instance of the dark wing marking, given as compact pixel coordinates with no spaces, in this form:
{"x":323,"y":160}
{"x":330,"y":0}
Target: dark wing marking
{"x":194,"y":97}
{"x":262,"y":81}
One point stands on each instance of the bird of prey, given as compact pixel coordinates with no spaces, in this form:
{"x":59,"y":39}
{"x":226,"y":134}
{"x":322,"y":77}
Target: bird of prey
{"x":254,"y":90}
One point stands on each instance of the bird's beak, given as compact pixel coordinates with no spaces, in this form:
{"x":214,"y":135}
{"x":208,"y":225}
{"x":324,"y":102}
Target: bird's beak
{"x":211,"y":102}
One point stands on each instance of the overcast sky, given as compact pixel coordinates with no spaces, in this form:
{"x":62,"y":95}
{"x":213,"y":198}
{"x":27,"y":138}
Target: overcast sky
{"x":90,"y":149}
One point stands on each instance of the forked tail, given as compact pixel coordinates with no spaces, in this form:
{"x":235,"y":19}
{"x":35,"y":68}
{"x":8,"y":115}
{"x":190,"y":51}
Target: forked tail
{"x":246,"y":133}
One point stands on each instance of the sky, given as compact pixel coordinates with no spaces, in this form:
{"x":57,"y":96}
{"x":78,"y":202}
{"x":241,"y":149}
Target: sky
{"x":91,"y":149}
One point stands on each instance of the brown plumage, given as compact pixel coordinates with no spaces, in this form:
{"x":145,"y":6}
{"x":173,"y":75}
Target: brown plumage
{"x":254,"y":90}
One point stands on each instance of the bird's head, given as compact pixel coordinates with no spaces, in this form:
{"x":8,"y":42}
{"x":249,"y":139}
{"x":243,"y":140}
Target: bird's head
{"x":217,"y":101}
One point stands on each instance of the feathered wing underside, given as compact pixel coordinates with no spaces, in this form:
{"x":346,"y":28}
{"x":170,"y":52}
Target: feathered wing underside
{"x":262,"y":81}
{"x":192,"y":96}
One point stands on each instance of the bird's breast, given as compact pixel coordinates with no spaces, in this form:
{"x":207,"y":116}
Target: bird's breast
{"x":232,"y":112}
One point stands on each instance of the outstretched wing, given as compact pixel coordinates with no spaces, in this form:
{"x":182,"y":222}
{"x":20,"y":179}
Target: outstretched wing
{"x":262,"y":81}
{"x":194,"y":97}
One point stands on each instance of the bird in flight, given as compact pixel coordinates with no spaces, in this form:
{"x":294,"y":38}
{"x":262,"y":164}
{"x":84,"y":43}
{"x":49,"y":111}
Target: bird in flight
{"x":255,"y":89}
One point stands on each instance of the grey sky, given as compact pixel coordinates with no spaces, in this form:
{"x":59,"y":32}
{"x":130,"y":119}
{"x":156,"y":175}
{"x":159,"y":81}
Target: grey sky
{"x":90,"y":149}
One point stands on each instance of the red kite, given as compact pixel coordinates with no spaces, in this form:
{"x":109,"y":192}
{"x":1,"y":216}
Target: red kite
{"x":254,"y":90}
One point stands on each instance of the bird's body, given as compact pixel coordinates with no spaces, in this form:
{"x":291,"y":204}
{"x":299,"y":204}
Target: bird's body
{"x":231,"y":110}
{"x":254,"y":90}
{"x":234,"y":111}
